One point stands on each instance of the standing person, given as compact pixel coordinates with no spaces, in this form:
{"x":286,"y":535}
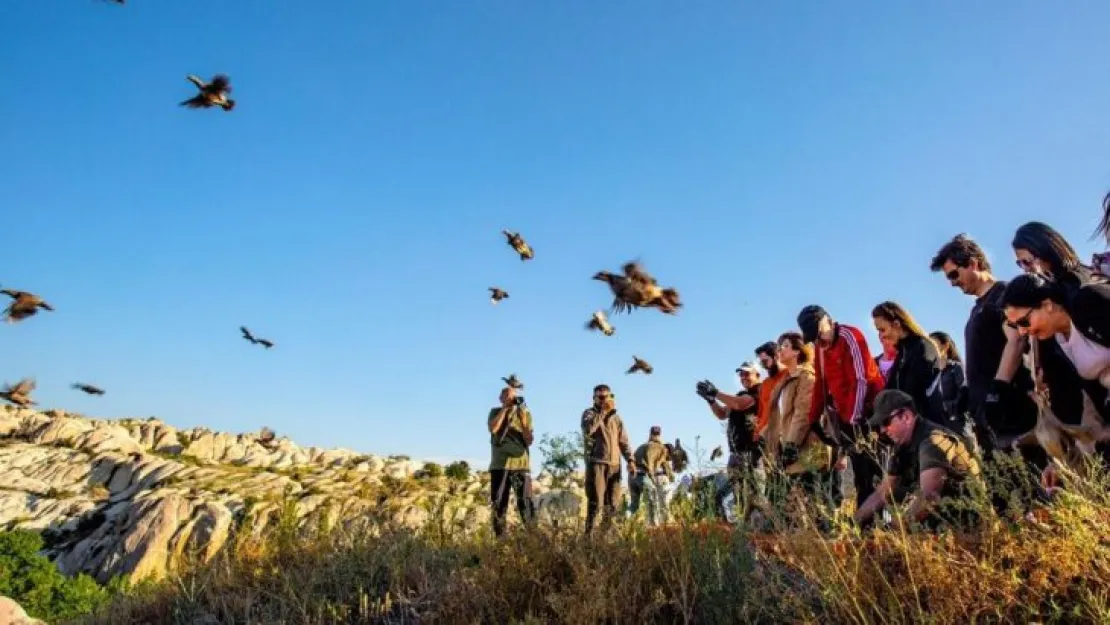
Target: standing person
{"x":998,"y":383}
{"x":1101,"y":262}
{"x":607,"y":442}
{"x":510,"y":429}
{"x":741,"y":412}
{"x":653,"y":473}
{"x":768,"y":355}
{"x":846,"y":383}
{"x":917,"y":362}
{"x":885,"y":360}
{"x":806,"y":460}
{"x":949,"y":391}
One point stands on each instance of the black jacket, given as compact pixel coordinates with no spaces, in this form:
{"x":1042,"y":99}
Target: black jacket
{"x":915,"y":368}
{"x":1089,"y":308}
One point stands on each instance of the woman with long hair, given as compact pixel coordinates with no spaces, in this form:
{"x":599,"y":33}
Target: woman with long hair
{"x":949,"y":391}
{"x":1101,"y":262}
{"x":1077,"y":320}
{"x":917,"y":363}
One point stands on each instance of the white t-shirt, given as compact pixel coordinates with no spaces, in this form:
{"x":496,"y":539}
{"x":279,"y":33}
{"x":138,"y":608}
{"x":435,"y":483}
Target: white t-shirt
{"x":1091,"y":360}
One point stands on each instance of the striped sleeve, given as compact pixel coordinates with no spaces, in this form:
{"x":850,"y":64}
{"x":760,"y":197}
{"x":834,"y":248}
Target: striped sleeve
{"x":859,"y":369}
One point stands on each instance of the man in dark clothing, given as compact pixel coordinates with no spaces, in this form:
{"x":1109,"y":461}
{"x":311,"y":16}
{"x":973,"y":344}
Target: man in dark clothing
{"x":607,"y":442}
{"x":510,"y":429}
{"x":926,"y":455}
{"x":847,"y":381}
{"x":997,"y":381}
{"x":740,"y":411}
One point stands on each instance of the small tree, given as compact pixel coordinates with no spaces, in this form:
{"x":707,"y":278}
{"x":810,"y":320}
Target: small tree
{"x":35,"y":583}
{"x":459,"y":471}
{"x":562,"y":455}
{"x":431,"y":470}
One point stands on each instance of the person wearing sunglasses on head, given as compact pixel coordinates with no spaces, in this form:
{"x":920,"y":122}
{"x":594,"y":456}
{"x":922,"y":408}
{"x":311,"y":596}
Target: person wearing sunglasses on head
{"x":927,"y":457}
{"x":1041,"y":249}
{"x":998,"y":381}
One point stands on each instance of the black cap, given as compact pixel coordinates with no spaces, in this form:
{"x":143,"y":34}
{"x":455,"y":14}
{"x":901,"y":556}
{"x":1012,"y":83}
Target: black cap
{"x":656,"y":430}
{"x":807,"y":321}
{"x":887,"y":403}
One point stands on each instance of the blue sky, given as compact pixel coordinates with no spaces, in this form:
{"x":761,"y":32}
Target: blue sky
{"x":758,"y":156}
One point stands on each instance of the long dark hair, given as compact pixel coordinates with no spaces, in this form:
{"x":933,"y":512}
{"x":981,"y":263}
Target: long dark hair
{"x":1103,"y":228}
{"x":946,"y":346}
{"x":1044,"y":242}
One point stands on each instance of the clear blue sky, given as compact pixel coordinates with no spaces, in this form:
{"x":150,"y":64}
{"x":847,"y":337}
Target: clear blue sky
{"x":758,"y":157}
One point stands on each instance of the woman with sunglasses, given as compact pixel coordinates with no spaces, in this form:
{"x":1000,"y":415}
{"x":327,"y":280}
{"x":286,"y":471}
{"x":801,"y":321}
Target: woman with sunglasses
{"x":916,"y":362}
{"x":1039,"y":247}
{"x":1077,"y":319}
{"x":1101,"y":262}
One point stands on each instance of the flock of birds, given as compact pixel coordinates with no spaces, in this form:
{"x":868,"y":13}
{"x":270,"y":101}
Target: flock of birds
{"x":633,"y":288}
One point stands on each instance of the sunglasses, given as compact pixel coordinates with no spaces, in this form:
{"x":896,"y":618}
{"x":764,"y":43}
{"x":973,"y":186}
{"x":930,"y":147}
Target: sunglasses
{"x":1023,"y":321}
{"x":953,"y":275}
{"x":1024,"y":264}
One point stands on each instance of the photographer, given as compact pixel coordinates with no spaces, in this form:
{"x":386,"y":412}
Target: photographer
{"x":740,"y":411}
{"x":606,"y":443}
{"x":510,"y":427}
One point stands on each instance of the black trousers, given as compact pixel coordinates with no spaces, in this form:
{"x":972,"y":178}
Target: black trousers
{"x":504,"y":481}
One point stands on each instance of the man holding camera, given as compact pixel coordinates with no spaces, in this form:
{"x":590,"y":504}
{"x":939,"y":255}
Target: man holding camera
{"x":510,"y":428}
{"x":606,"y":442}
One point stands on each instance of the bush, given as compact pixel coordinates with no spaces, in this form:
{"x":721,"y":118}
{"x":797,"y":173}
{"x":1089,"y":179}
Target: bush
{"x":35,"y":583}
{"x":562,"y":455}
{"x":459,"y":471}
{"x":431,"y":470}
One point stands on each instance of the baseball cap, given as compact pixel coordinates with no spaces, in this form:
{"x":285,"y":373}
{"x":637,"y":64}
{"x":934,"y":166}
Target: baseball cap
{"x":808,"y":319}
{"x":888,"y":402}
{"x":656,"y":430}
{"x":747,"y":366}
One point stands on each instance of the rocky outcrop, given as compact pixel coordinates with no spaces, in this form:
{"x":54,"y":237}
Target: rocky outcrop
{"x":140,"y":497}
{"x":11,"y":613}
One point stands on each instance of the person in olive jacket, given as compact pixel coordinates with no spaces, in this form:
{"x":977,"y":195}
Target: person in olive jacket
{"x":606,"y":443}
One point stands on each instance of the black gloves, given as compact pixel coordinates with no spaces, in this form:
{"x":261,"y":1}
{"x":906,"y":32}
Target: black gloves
{"x":707,"y":391}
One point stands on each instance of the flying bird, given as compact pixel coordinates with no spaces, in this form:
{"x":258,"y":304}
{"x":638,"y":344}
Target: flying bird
{"x":496,"y":295}
{"x":211,"y":93}
{"x":640,"y":365}
{"x":88,"y":388}
{"x":636,"y":288}
{"x":19,"y":393}
{"x":679,"y":457}
{"x":513,"y":382}
{"x":24,"y":305}
{"x":716,"y":453}
{"x":257,"y":341}
{"x":519,"y":245}
{"x":601,"y":323}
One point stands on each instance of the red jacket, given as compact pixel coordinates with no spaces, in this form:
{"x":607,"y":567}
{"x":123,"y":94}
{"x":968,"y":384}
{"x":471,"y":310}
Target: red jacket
{"x":847,"y":372}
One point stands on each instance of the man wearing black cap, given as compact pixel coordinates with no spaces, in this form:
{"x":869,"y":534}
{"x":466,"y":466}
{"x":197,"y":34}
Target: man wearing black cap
{"x":847,"y":381}
{"x":927,"y":455}
{"x":653,"y":473}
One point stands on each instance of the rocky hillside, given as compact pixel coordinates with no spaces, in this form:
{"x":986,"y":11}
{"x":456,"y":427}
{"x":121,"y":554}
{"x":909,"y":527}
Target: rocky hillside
{"x":136,"y":497}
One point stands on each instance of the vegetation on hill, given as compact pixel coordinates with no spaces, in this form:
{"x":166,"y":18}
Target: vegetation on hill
{"x":1051,"y":565}
{"x":35,"y":583}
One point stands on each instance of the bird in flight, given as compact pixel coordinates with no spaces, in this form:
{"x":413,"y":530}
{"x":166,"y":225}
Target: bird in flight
{"x":639,"y":364}
{"x":519,"y":245}
{"x":19,"y":393}
{"x":253,"y":339}
{"x":211,"y":93}
{"x":88,"y":388}
{"x":496,"y":295}
{"x":636,"y":288}
{"x":24,"y":305}
{"x":513,"y":382}
{"x":601,"y":323}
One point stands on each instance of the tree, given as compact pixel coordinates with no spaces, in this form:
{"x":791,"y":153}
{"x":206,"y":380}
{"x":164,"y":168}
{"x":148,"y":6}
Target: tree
{"x":458,"y":471}
{"x":562,"y":455}
{"x":36,"y":584}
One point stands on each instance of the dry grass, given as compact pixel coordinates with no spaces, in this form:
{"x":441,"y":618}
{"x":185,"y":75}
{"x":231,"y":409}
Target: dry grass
{"x":1055,"y":568}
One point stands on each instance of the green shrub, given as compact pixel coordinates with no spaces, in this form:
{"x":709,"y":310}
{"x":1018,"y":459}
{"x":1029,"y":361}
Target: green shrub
{"x":459,"y":471}
{"x":35,"y":583}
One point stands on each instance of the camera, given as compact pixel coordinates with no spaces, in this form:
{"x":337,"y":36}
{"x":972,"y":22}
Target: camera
{"x":518,"y":400}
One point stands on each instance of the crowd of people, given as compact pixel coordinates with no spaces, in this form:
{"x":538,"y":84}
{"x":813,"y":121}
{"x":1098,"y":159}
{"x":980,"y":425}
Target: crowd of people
{"x":915,"y":422}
